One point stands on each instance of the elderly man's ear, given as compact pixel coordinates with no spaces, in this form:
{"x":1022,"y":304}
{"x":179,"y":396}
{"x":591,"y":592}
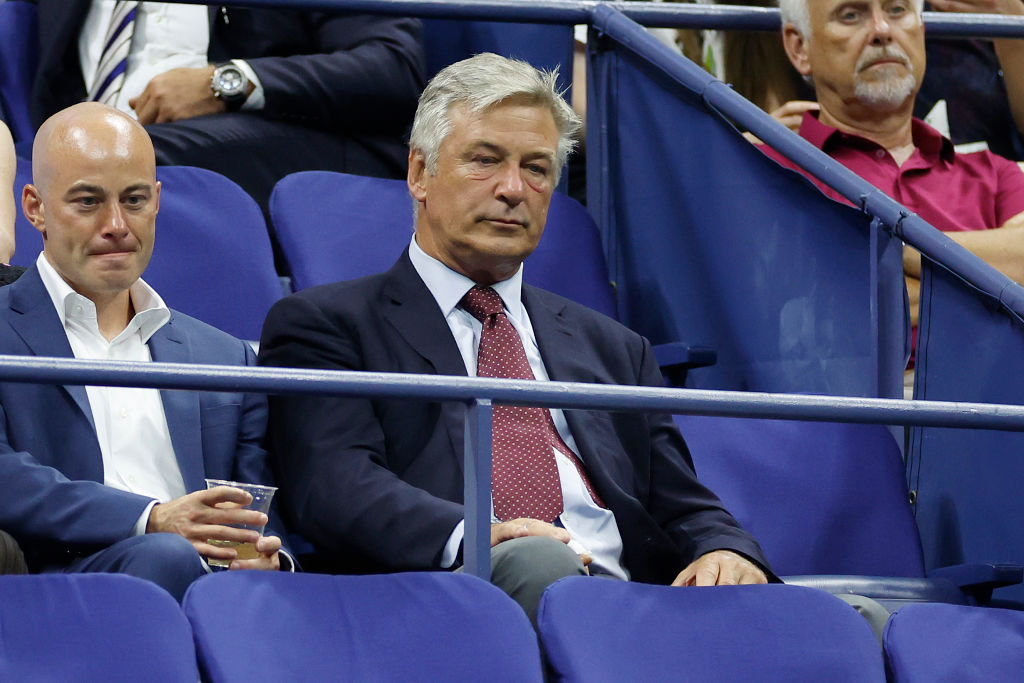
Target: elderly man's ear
{"x":416,"y":175}
{"x":796,"y":49}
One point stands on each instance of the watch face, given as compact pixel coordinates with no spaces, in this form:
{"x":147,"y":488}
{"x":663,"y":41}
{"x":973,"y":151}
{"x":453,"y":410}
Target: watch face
{"x":229,"y":82}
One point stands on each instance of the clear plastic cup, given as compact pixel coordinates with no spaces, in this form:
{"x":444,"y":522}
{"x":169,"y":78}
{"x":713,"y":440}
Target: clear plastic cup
{"x":261,"y":497}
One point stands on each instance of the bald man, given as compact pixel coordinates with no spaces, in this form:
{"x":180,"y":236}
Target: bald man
{"x":105,"y":478}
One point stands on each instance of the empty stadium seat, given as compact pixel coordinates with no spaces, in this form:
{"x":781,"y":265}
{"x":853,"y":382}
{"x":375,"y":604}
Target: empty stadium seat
{"x":830,"y":507}
{"x":595,"y":629}
{"x":212,"y":258}
{"x":429,"y":626}
{"x":19,"y":53}
{"x":92,"y":627}
{"x":932,"y":643}
{"x":359,"y":226}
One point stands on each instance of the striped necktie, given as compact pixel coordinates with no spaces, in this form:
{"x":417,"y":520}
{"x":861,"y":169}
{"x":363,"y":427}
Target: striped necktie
{"x":109,"y":78}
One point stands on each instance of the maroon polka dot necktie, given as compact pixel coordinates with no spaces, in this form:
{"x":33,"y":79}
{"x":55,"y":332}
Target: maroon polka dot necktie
{"x":525,"y":480}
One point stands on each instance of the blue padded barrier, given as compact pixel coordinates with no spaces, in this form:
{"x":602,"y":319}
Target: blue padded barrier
{"x":968,"y":482}
{"x":425,"y":626}
{"x":929,"y":643}
{"x":212,"y":258}
{"x":598,"y":630}
{"x":92,"y":627}
{"x":710,"y":241}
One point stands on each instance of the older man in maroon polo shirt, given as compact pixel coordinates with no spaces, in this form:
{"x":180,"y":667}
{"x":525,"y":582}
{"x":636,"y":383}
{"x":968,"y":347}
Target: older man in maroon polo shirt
{"x":867,"y":60}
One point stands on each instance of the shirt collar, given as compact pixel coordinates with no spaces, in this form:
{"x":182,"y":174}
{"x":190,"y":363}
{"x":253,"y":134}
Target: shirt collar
{"x":929,"y":141}
{"x":151,"y":313}
{"x":448,"y":287}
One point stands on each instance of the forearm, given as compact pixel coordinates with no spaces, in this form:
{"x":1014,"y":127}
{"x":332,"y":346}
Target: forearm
{"x":1001,"y":248}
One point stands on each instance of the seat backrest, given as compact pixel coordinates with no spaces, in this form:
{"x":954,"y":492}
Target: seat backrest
{"x":545,"y":46}
{"x":416,"y":626}
{"x":19,"y":56}
{"x":821,"y":498}
{"x":604,"y":630}
{"x":212,"y":258}
{"x":358,"y":226}
{"x":92,"y":627}
{"x":935,"y":642}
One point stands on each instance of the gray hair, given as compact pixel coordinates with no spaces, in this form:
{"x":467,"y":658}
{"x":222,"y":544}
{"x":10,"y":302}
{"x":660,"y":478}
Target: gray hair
{"x":796,"y":12}
{"x":479,"y":83}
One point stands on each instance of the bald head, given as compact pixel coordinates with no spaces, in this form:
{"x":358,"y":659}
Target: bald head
{"x":89,"y":131}
{"x":94,"y":199}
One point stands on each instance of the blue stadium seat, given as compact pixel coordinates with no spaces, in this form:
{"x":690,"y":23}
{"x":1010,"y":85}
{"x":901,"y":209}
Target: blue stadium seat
{"x":212,"y":259}
{"x":19,"y":54}
{"x":92,"y":627}
{"x":596,"y":630}
{"x":428,"y":626}
{"x":830,"y":507}
{"x":929,"y":643}
{"x":358,"y":226}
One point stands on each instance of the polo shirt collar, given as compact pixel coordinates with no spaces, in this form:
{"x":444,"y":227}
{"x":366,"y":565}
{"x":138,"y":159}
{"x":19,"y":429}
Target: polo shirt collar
{"x":929,"y":141}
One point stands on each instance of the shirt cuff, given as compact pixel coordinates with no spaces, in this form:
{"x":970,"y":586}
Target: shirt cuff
{"x":143,"y":521}
{"x":255,"y":101}
{"x":451,"y":548}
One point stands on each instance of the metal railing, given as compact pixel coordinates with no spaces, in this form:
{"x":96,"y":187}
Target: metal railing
{"x":479,"y":394}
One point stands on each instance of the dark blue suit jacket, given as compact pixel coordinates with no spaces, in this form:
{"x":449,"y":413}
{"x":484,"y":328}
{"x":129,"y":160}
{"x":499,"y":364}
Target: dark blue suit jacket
{"x":52,"y":497}
{"x":376,"y":485}
{"x":356,"y":74}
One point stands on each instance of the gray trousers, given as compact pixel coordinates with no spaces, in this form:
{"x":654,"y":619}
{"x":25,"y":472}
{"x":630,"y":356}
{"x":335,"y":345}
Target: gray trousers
{"x":524,"y":567}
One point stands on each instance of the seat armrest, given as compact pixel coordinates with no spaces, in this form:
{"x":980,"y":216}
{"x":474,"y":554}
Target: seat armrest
{"x":979,"y":580}
{"x":676,"y":359}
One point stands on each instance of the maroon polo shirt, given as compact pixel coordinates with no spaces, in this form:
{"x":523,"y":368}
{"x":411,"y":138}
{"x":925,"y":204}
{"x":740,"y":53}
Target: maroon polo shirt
{"x":951,"y":191}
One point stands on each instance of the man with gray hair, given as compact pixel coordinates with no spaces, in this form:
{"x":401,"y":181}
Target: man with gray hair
{"x":376,"y":485}
{"x":866,"y":59}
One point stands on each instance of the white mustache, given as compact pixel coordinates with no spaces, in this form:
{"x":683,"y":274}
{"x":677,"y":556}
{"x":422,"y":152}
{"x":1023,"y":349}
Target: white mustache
{"x":877,"y":54}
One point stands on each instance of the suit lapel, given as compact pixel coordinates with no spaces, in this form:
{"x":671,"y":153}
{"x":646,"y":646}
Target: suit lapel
{"x":181,"y":408}
{"x":39,"y":327}
{"x":410,"y":308}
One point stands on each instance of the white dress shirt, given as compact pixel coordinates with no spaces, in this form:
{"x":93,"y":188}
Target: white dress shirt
{"x":131,"y":426}
{"x":591,"y":527}
{"x":167,"y":36}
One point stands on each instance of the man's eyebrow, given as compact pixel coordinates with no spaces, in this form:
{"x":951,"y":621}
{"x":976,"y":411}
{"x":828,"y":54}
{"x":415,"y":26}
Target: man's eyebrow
{"x":492,"y":146}
{"x":136,"y":187}
{"x":84,"y":187}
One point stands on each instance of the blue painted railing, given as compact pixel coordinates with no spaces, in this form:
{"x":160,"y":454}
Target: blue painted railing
{"x":478,"y":394}
{"x":658,"y":14}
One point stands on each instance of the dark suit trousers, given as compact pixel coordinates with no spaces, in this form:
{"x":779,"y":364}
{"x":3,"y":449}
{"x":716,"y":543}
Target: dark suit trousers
{"x":256,"y":152}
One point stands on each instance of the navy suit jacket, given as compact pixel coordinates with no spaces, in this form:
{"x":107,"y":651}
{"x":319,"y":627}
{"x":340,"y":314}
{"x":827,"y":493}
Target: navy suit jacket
{"x":52,"y":497}
{"x":355,"y":74}
{"x":376,"y":485}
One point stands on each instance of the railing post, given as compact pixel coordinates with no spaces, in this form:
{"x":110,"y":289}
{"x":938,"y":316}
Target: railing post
{"x":476,"y":549}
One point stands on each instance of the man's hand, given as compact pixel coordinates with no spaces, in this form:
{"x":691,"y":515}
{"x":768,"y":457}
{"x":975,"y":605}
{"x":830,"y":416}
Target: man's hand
{"x":177,"y":94}
{"x":204,"y":515}
{"x":720,"y":568}
{"x":518,"y":528}
{"x":790,"y":114}
{"x":269,"y":559}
